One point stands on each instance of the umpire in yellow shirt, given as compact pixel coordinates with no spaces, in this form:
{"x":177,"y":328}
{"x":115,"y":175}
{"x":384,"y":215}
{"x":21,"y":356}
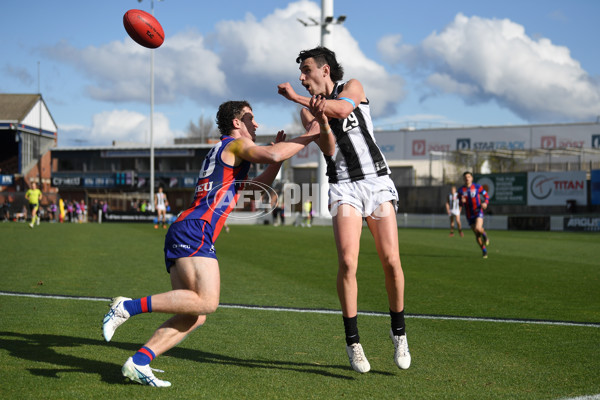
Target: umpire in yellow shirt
{"x":34,"y":195}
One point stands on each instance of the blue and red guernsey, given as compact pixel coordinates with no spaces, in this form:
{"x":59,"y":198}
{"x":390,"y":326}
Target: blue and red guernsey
{"x":217,"y":188}
{"x":475,"y":195}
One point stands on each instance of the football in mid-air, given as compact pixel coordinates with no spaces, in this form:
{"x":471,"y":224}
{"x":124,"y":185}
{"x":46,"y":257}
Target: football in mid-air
{"x":144,"y":28}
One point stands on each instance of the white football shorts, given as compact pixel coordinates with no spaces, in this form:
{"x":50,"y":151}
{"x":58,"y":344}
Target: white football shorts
{"x":364,"y":195}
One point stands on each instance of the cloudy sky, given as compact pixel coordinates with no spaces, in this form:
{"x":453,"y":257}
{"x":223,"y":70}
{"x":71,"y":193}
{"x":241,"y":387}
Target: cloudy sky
{"x":423,"y":64}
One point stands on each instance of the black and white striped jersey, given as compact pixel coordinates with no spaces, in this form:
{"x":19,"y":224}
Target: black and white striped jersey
{"x":356,"y":156}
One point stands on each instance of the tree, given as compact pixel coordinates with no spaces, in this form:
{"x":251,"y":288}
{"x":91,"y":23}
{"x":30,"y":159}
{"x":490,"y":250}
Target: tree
{"x":205,"y":129}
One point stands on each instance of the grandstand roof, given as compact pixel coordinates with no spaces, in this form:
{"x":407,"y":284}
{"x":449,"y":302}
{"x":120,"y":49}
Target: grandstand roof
{"x":15,"y":107}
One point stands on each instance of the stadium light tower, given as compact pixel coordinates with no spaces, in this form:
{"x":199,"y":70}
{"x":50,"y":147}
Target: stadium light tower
{"x":151,"y":116}
{"x":326,"y":20}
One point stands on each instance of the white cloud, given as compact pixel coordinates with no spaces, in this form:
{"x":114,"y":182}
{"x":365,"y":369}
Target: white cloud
{"x":481,"y":59}
{"x":117,"y":126}
{"x":258,"y":55}
{"x":242,"y":59}
{"x":120,"y":71}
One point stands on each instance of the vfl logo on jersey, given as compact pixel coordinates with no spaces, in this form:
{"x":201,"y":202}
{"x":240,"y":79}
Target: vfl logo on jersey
{"x":380,"y":166}
{"x":473,"y":193}
{"x":463,"y":144}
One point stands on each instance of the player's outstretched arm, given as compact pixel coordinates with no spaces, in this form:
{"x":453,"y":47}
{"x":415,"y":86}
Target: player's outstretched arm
{"x":339,"y":108}
{"x":269,"y":174}
{"x":245,"y":149}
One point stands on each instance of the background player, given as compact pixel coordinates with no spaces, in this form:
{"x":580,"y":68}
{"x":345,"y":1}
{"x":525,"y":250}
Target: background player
{"x":161,"y":202}
{"x":474,"y":200}
{"x":189,"y":251}
{"x":453,"y":209}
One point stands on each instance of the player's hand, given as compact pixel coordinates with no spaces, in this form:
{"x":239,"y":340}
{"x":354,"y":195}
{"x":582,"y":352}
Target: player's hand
{"x":484,"y":206}
{"x":317,"y":108}
{"x":286,"y":90}
{"x":280,"y":137}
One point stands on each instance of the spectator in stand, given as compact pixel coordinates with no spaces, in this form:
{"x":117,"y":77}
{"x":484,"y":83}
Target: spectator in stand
{"x":6,"y":209}
{"x":52,"y":211}
{"x":71,"y":211}
{"x":83,"y":215}
{"x":94,"y":210}
{"x":61,"y":209}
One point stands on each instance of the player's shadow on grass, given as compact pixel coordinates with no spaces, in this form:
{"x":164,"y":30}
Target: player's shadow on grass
{"x":41,"y":348}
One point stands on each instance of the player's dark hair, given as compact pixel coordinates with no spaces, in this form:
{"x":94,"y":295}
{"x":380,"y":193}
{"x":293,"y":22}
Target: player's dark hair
{"x":467,"y":172}
{"x":229,"y":111}
{"x":322,"y":55}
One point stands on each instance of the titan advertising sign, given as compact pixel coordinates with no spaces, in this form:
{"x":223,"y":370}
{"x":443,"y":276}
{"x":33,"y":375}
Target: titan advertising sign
{"x":555,"y":188}
{"x":505,"y":188}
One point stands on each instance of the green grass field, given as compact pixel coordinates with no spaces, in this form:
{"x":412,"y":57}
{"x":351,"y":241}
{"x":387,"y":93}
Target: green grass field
{"x":52,"y":348}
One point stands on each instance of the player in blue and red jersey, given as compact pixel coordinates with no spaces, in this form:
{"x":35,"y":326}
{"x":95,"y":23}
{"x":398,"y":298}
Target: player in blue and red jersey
{"x":474,"y":199}
{"x":189,"y":244}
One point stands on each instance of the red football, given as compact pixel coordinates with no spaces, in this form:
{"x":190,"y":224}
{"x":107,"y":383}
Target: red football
{"x":144,"y":28}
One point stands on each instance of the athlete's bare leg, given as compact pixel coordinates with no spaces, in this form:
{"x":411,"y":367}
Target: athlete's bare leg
{"x":384,"y":228}
{"x":196,"y":292}
{"x":347,"y":228}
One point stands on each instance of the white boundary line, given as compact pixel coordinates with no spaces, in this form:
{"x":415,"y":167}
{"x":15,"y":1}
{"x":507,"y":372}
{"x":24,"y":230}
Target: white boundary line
{"x":325,"y":311}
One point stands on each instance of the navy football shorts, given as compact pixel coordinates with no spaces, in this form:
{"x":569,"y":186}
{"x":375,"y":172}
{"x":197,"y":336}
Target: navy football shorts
{"x":189,"y":238}
{"x":473,"y":218}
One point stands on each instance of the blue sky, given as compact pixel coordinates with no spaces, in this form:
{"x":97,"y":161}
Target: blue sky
{"x":423,"y":64}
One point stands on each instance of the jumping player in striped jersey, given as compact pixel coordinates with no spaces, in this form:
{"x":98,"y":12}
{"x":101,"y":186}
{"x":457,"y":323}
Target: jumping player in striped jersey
{"x":190,"y":255}
{"x":474,"y":199}
{"x":359,"y":188}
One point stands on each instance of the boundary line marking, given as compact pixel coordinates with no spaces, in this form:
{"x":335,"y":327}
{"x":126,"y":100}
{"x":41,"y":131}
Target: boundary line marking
{"x":329,"y":311}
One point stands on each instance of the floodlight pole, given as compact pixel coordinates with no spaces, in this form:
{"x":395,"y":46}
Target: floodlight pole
{"x":152,"y":120}
{"x":322,"y":182}
{"x":151,"y":117}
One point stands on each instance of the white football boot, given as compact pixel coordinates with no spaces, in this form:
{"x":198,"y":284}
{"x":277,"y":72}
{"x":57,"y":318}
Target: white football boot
{"x":401,"y":353}
{"x":357,"y":358}
{"x":142,"y":374}
{"x":115,"y":317}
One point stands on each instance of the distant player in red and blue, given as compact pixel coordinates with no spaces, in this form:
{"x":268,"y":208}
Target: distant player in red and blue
{"x":474,"y":200}
{"x":190,"y":255}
